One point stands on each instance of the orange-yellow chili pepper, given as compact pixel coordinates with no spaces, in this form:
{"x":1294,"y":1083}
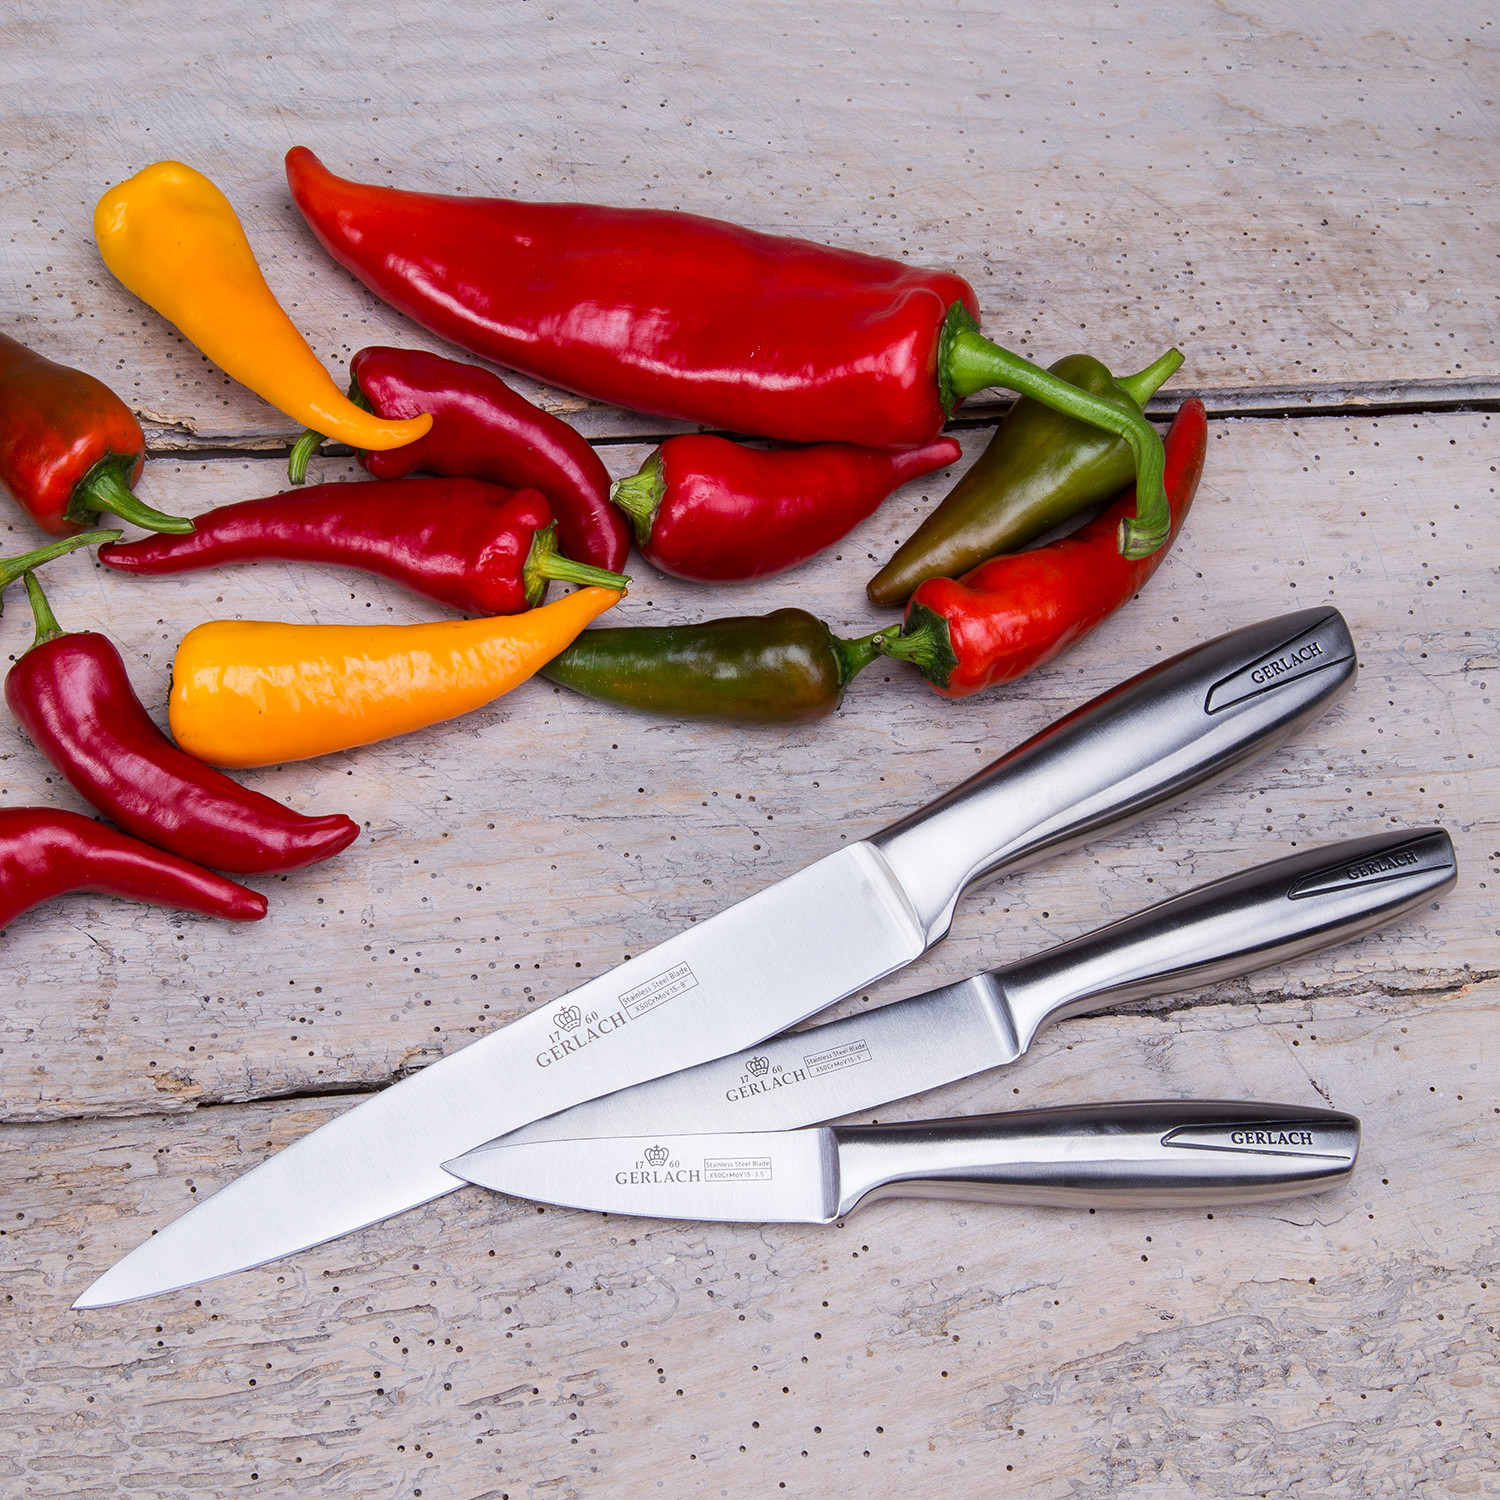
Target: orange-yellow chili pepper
{"x":175,"y":241}
{"x":257,"y":693}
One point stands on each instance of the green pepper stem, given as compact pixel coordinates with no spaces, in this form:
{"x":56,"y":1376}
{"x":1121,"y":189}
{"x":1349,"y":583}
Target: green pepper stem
{"x":544,"y":562}
{"x":925,"y":641}
{"x":310,"y":441}
{"x":302,"y":450}
{"x":969,"y":362}
{"x":639,"y":496}
{"x":1144,"y":384}
{"x":854,"y":656}
{"x":12,"y":568}
{"x":47,"y":628}
{"x":103,"y":488}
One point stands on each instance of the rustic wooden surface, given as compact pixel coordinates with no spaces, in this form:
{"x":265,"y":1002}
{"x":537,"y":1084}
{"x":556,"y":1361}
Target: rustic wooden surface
{"x":1310,"y":214}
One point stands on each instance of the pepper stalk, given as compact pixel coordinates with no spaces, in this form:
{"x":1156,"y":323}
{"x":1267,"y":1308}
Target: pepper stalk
{"x":968,"y":362}
{"x":12,"y":568}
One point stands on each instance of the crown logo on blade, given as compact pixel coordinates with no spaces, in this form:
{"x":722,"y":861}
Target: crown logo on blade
{"x":758,"y":1067}
{"x":656,"y":1155}
{"x":569,"y":1017}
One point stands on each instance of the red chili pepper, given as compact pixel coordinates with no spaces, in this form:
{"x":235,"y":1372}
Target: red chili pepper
{"x":715,"y":510}
{"x":72,"y":696}
{"x":69,"y":447}
{"x":684,"y":316}
{"x":481,"y":429}
{"x":45,"y":853}
{"x":475,"y":547}
{"x":1017,"y":611}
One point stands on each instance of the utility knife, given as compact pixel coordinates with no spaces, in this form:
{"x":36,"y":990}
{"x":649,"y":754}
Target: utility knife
{"x":1166,"y":1154}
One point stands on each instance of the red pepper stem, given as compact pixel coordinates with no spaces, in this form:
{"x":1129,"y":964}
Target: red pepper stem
{"x":47,"y":628}
{"x":854,"y":656}
{"x":639,"y":495}
{"x":544,"y":562}
{"x":302,"y":450}
{"x":1144,"y":384}
{"x":12,"y":568}
{"x":310,"y":441}
{"x":103,"y":489}
{"x":925,"y":641}
{"x":969,"y":362}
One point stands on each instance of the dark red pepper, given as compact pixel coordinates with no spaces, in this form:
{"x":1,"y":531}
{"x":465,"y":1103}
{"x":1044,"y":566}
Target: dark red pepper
{"x":45,"y":852}
{"x":481,"y":429}
{"x":714,"y":510}
{"x":1017,"y":611}
{"x":72,"y":696}
{"x":689,"y":317}
{"x":69,"y":447}
{"x":475,"y":547}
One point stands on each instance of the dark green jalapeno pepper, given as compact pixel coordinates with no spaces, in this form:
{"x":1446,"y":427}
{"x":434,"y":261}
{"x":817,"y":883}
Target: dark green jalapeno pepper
{"x":786,"y":667}
{"x":1040,"y":469}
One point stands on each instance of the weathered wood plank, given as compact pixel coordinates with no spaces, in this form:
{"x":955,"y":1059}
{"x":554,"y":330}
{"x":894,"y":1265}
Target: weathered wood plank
{"x":513,"y":853}
{"x":480,"y":1347}
{"x":1298,"y":204}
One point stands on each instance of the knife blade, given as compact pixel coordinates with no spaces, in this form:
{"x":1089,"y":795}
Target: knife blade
{"x":1169,"y":1154}
{"x":1258,"y":917}
{"x":774,"y":958}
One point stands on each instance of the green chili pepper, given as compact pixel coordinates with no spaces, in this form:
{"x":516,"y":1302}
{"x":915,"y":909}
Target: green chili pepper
{"x":786,"y":667}
{"x":1040,"y":469}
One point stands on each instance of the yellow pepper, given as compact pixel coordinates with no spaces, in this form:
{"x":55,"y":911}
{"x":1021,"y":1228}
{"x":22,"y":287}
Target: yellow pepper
{"x":175,"y":241}
{"x":257,"y":693}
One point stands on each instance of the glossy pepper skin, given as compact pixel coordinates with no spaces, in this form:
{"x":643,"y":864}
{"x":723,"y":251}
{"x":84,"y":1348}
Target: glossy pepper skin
{"x":46,"y":853}
{"x":1040,"y":469}
{"x":256,"y":693}
{"x":690,"y":317}
{"x":72,"y":696}
{"x":171,"y":237}
{"x":69,"y":447}
{"x":710,"y":509}
{"x":786,"y":667}
{"x":481,"y":429}
{"x":629,"y":306}
{"x":475,"y":547}
{"x":1013,"y":613}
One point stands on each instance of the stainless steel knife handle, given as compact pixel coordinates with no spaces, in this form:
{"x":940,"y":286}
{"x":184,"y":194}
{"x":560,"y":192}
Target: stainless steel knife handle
{"x":1170,"y":1154}
{"x":1263,"y":916}
{"x":1145,"y":743}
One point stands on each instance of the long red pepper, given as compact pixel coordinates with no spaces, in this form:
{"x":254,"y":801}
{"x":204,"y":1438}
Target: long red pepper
{"x":72,"y":696}
{"x":69,"y":447}
{"x":711,"y":509}
{"x":45,"y":852}
{"x":481,"y":429}
{"x":689,"y":317}
{"x":475,"y":547}
{"x":1015,"y":612}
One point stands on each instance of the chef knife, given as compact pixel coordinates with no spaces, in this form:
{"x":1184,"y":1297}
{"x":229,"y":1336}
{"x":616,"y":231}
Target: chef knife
{"x":1259,"y":917}
{"x":772,"y":959}
{"x":1168,"y":1154}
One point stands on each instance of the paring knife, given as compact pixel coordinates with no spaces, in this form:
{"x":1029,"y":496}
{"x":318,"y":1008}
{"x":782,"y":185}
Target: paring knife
{"x":1170,"y":1154}
{"x":1262,"y":916}
{"x":772,"y":959}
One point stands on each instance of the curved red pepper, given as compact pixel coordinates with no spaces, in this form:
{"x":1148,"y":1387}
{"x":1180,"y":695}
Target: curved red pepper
{"x":481,"y":429}
{"x":711,"y":509}
{"x":72,"y":696}
{"x":475,"y":547}
{"x":46,"y":853}
{"x":1017,"y":611}
{"x":668,"y":313}
{"x":69,"y":447}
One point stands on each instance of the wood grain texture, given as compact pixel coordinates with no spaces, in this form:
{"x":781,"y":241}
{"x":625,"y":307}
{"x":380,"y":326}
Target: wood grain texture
{"x":1300,"y":203}
{"x":483,"y":1347}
